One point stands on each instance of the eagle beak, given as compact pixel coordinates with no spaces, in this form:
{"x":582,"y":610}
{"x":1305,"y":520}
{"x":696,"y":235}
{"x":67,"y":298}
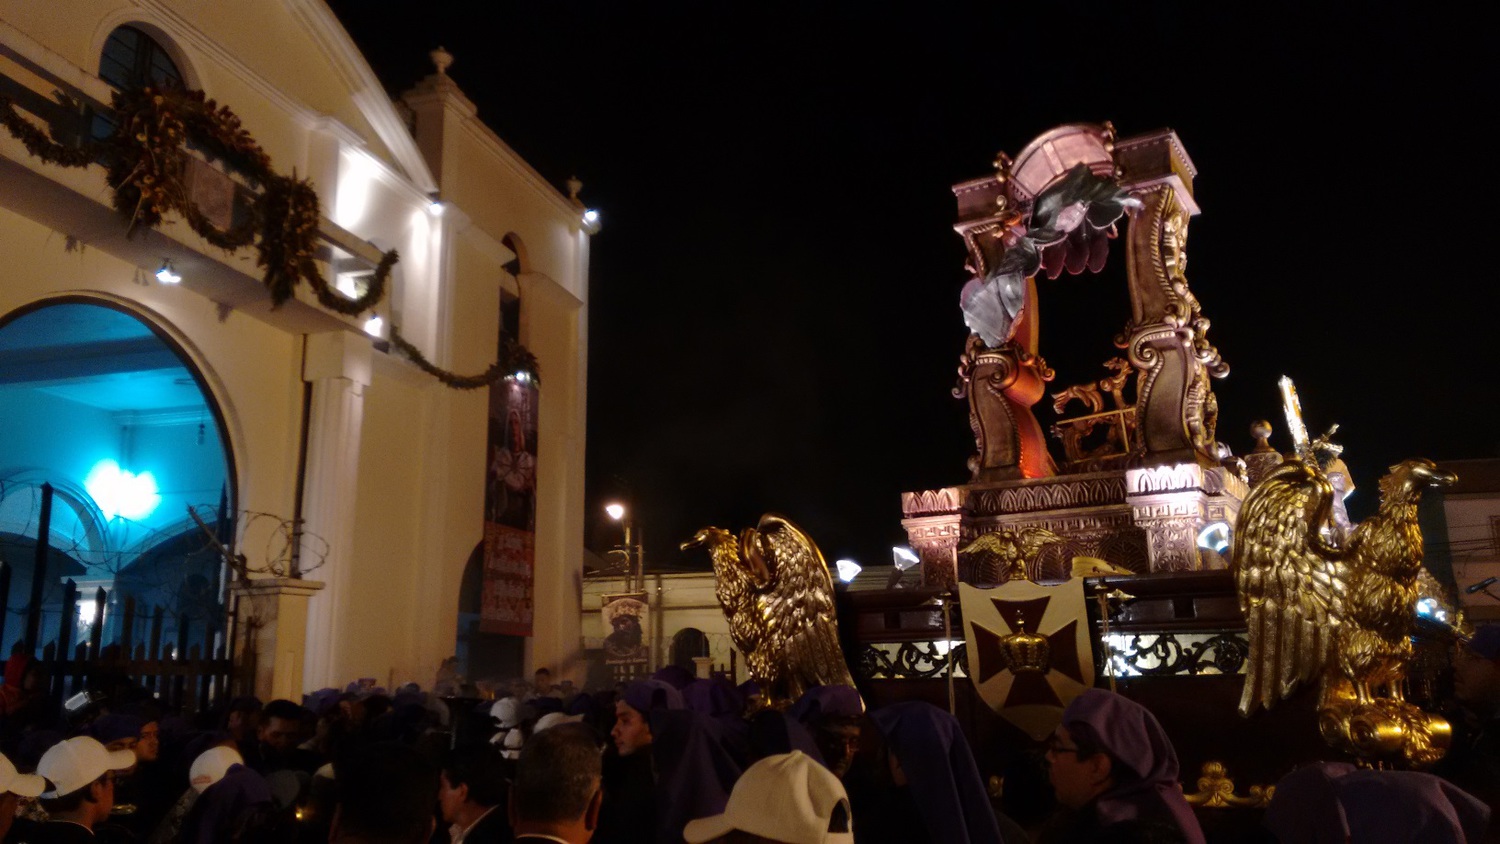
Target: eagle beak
{"x":697,"y":541}
{"x":1441,"y":478}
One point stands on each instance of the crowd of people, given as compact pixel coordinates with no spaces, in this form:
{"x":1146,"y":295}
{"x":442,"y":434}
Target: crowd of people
{"x":669,"y":759}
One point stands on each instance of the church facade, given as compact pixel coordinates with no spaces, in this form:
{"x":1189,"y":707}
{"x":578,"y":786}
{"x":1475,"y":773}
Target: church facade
{"x":382,"y":506}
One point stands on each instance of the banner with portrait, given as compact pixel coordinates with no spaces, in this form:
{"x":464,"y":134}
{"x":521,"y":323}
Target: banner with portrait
{"x":510,"y":509}
{"x":627,"y":629}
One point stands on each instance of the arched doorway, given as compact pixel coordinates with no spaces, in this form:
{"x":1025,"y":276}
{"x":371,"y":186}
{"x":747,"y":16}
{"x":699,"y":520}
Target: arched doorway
{"x":107,"y":411}
{"x":488,"y":658}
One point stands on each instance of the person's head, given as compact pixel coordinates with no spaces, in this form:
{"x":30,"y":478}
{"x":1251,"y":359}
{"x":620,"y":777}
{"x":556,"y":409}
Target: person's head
{"x":242,"y":717}
{"x":1079,"y":768}
{"x":1328,"y":802}
{"x":280,"y":725}
{"x":1110,"y":754}
{"x":119,"y":731}
{"x":385,"y":794}
{"x":13,"y":786}
{"x":211,"y":764}
{"x":1476,"y":669}
{"x":82,"y":774}
{"x":786,"y":799}
{"x":471,"y":781}
{"x":632,"y":731}
{"x":556,"y":789}
{"x":148,"y":749}
{"x":542,"y":680}
{"x":832,"y":714}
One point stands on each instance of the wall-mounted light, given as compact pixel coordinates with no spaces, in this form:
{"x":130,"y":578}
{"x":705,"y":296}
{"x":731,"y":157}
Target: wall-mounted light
{"x":615,"y":510}
{"x":167,"y":275}
{"x":522,"y":376}
{"x":373,"y":326}
{"x":436,"y":208}
{"x":848,"y":570}
{"x":591,"y":221}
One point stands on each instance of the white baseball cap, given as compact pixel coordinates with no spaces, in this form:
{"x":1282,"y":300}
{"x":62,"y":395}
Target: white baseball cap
{"x":789,"y":798}
{"x":73,"y":764}
{"x":17,"y":783}
{"x":507,"y":711}
{"x":552,"y":719}
{"x":211,"y":765}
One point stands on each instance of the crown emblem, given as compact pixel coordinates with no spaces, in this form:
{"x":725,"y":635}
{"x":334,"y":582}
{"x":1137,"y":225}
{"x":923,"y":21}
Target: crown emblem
{"x":1026,"y":653}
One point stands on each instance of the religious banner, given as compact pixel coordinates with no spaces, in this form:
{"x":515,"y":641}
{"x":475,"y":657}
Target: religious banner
{"x":627,"y":626}
{"x":510,"y":509}
{"x":1029,"y":649}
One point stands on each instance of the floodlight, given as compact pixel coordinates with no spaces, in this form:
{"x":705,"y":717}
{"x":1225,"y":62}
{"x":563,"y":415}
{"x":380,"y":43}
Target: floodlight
{"x":848,"y":570}
{"x":373,"y":325}
{"x":615,"y":510}
{"x":1214,"y":537}
{"x":904,"y":557}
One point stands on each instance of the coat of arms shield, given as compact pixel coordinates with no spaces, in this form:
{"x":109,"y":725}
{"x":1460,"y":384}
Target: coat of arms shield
{"x":1029,"y":647}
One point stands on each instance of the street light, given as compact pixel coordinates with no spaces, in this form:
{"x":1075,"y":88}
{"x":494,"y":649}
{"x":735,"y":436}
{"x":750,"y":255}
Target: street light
{"x":634,"y":563}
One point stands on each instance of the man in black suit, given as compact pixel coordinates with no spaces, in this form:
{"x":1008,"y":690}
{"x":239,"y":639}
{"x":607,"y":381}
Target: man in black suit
{"x":556,"y":794}
{"x":472,"y":794}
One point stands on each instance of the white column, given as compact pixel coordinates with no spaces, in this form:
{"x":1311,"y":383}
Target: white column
{"x":337,"y":364}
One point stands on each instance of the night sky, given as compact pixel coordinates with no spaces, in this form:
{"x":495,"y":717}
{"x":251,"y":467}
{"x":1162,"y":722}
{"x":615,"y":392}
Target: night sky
{"x":774,"y":319}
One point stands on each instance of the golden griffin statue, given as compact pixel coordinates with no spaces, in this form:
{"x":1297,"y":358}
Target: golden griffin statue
{"x":777,"y":594}
{"x":1342,"y":615}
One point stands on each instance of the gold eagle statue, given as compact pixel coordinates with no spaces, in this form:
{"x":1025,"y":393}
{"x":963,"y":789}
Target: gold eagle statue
{"x":1339,"y":614}
{"x":777,"y":595}
{"x":1006,"y":555}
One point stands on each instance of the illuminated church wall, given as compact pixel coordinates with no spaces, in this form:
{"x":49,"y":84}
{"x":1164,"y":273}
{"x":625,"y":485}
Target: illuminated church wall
{"x":410,"y":514}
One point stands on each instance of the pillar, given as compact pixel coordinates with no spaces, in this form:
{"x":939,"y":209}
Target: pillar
{"x":337,"y":366}
{"x":272,"y":613}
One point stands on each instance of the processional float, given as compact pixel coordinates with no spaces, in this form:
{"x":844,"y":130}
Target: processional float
{"x":1142,"y":511}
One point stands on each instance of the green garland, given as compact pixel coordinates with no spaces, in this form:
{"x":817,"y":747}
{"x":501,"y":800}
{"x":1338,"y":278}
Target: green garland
{"x":514,"y":359}
{"x":146,"y":162}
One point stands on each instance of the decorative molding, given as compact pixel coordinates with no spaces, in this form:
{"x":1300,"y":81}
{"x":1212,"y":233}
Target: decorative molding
{"x":930,"y":502}
{"x":1060,"y":493}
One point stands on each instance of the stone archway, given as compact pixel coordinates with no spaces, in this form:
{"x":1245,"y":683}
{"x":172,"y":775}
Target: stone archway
{"x":114,"y":432}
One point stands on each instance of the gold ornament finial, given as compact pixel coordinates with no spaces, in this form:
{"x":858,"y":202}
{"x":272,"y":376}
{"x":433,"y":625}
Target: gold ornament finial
{"x":442,"y":60}
{"x":1261,"y":430}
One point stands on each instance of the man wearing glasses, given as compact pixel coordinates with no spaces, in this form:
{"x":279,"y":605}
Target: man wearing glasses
{"x":81,"y":775}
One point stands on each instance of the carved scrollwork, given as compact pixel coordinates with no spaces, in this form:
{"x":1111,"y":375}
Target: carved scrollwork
{"x":1159,"y":654}
{"x":1216,"y":791}
{"x":911,"y":661}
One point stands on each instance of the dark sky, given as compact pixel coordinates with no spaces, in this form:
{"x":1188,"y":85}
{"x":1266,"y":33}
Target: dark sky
{"x":774,"y":319}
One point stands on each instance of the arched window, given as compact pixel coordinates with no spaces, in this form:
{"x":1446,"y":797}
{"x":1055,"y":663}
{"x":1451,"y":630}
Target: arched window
{"x":133,"y":59}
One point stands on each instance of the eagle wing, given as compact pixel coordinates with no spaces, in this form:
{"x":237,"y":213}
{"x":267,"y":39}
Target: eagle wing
{"x":1290,"y":582}
{"x":799,"y":606}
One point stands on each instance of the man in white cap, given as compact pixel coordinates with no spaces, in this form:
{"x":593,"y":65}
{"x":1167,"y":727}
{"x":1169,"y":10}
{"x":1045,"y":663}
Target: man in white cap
{"x":788,"y":798}
{"x":81,"y":773}
{"x":13,"y":786}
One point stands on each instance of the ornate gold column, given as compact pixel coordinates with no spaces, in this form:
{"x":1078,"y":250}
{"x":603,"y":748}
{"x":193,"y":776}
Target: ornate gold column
{"x":1167,"y":337}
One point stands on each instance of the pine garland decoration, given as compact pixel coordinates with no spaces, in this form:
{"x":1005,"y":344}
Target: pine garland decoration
{"x":146,"y":164}
{"x":514,"y":359}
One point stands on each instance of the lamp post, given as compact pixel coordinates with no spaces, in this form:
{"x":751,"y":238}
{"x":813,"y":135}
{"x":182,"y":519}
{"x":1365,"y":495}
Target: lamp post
{"x":634,"y":563}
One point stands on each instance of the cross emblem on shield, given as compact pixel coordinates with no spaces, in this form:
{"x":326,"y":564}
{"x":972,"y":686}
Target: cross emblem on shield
{"x":1029,"y":647}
